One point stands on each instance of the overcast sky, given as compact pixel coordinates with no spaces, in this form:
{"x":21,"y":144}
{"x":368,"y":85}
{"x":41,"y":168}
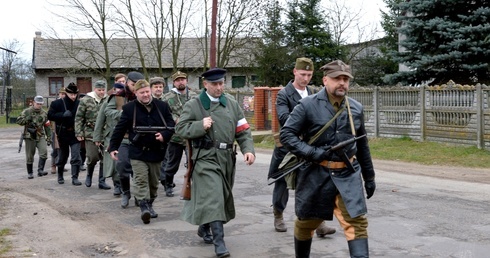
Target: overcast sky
{"x":20,"y":19}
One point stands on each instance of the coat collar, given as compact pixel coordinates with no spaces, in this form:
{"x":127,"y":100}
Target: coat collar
{"x":206,"y":102}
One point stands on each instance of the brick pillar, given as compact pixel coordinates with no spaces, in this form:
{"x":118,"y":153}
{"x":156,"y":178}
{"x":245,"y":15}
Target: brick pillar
{"x":260,"y":107}
{"x":275,"y":121}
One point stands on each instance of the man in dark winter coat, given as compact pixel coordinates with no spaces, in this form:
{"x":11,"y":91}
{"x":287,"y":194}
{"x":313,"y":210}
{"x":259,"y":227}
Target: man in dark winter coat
{"x":62,"y":112}
{"x":147,"y":149}
{"x":331,"y":182}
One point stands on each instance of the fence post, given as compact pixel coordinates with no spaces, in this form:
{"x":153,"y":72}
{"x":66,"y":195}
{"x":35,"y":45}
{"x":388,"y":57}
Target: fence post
{"x":376,"y":111}
{"x":274,"y":121}
{"x":260,"y":107}
{"x":423,"y":116}
{"x":480,"y":120}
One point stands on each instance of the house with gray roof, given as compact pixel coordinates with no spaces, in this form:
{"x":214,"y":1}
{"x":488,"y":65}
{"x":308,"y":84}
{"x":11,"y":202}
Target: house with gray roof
{"x":57,"y":62}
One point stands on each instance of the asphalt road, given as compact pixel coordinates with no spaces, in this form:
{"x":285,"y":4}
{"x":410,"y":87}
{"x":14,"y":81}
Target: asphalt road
{"x":410,"y":215}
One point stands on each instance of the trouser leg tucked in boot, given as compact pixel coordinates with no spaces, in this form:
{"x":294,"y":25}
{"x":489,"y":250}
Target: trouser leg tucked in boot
{"x":102,"y":184}
{"x":218,"y":239}
{"x":358,"y":248}
{"x":279,"y":221}
{"x":302,"y":248}
{"x":40,"y":167}
{"x":324,"y":230}
{"x":61,"y":180}
{"x":90,"y":173}
{"x":204,"y":231}
{"x":126,"y":195}
{"x":30,"y":172}
{"x":145,"y":211}
{"x":169,"y":186}
{"x":153,"y":214}
{"x":75,"y":170}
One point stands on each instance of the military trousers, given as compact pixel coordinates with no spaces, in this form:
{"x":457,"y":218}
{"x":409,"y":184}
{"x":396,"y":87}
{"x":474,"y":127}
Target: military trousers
{"x":354,"y":228}
{"x":171,"y":163}
{"x":30,"y":149}
{"x":280,"y":193}
{"x":145,"y":179}
{"x":123,"y":164}
{"x":67,"y":150}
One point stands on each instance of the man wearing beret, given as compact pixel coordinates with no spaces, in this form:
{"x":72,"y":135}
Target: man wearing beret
{"x":212,"y":122}
{"x":103,"y":132}
{"x":176,"y":99}
{"x":62,"y":112}
{"x":287,"y":98}
{"x":147,"y":149}
{"x":332,"y":184}
{"x":84,"y":128}
{"x":37,"y":135}
{"x":113,"y":112}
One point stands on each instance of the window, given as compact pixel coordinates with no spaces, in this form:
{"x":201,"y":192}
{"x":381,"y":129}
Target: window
{"x":55,"y":84}
{"x":238,"y":81}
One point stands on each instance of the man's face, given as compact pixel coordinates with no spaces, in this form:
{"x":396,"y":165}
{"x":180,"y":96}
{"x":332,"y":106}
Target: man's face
{"x":180,"y":83}
{"x":37,"y":106}
{"x":302,"y":77}
{"x":215,"y":89}
{"x":100,"y":92}
{"x":121,"y":80}
{"x":143,"y":95}
{"x":157,"y":89}
{"x":338,"y":86}
{"x":72,"y":96}
{"x":61,"y":95}
{"x":130,"y":85}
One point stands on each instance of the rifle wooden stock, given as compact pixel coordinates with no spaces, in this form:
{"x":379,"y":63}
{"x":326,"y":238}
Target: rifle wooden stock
{"x":186,"y":194}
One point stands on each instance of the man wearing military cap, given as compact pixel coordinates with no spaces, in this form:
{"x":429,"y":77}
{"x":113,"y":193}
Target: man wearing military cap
{"x":287,"y":98}
{"x":62,"y":112}
{"x":147,"y":149}
{"x":212,"y":122}
{"x":157,"y":85}
{"x":37,"y":135}
{"x":176,"y":99}
{"x":84,"y":127}
{"x":333,"y":183}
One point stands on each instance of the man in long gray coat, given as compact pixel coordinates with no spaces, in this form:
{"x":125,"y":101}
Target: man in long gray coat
{"x":213,"y":121}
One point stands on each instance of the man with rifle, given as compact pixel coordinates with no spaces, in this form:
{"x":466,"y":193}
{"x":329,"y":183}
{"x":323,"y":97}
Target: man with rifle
{"x":37,"y":134}
{"x":149,"y":125}
{"x":332,"y":182}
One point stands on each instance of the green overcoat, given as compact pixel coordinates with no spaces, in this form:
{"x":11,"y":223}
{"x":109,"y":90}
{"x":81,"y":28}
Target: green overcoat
{"x":214,"y":171}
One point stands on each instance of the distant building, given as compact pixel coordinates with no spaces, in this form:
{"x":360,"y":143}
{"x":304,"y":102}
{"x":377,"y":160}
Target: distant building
{"x":57,"y":62}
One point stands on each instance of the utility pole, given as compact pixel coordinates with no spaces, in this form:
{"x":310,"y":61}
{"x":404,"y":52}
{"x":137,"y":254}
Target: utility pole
{"x":6,"y":76}
{"x":212,"y":50}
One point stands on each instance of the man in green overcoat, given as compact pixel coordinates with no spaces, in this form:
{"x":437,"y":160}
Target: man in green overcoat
{"x":212,"y":122}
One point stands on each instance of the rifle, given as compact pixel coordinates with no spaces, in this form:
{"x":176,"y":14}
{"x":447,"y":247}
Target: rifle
{"x":21,"y":140}
{"x":149,"y":130}
{"x":185,"y":194}
{"x":337,"y":147}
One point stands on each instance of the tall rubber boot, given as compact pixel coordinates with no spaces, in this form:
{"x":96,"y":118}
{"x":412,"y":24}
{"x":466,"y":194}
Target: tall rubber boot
{"x":61,"y":180}
{"x":90,"y":174}
{"x":279,"y":224}
{"x":30,"y":173}
{"x":302,"y":248}
{"x":40,"y":167}
{"x":204,"y":231}
{"x":358,"y":248}
{"x":153,"y":214}
{"x":145,"y":211}
{"x":102,"y":184}
{"x":169,"y":186}
{"x":75,"y":170}
{"x":126,"y":193}
{"x":218,"y":239}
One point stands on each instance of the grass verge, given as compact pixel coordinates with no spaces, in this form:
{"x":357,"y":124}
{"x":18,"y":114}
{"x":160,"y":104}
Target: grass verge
{"x":5,"y":245}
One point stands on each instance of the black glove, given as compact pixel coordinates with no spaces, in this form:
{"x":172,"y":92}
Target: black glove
{"x":319,"y":155}
{"x":370,"y":186}
{"x":67,"y":113}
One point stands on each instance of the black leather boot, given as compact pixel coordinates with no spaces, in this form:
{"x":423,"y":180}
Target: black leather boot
{"x":75,"y":170}
{"x":90,"y":173}
{"x":61,"y":180}
{"x":218,"y":239}
{"x":358,"y":248}
{"x":145,"y":211}
{"x":40,"y":167}
{"x":153,"y":214}
{"x":30,"y":173}
{"x":102,"y":184}
{"x":204,"y":231}
{"x":302,"y":248}
{"x":169,"y":186}
{"x":126,"y":194}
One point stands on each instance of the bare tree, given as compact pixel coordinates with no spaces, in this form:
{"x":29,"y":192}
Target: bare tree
{"x":180,"y":13}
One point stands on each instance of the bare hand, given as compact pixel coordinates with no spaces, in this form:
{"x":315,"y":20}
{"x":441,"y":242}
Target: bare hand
{"x":207,"y":122}
{"x":80,"y":138}
{"x":97,"y":144}
{"x":249,"y":158}
{"x":114,"y":155}
{"x":159,"y":137}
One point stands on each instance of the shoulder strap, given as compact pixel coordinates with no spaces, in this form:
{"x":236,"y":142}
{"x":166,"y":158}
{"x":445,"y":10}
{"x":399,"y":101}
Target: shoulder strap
{"x":315,"y":137}
{"x":158,"y":110}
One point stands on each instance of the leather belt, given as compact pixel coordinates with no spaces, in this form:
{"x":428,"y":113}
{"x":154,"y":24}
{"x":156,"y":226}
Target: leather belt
{"x":217,"y":145}
{"x":336,"y":164}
